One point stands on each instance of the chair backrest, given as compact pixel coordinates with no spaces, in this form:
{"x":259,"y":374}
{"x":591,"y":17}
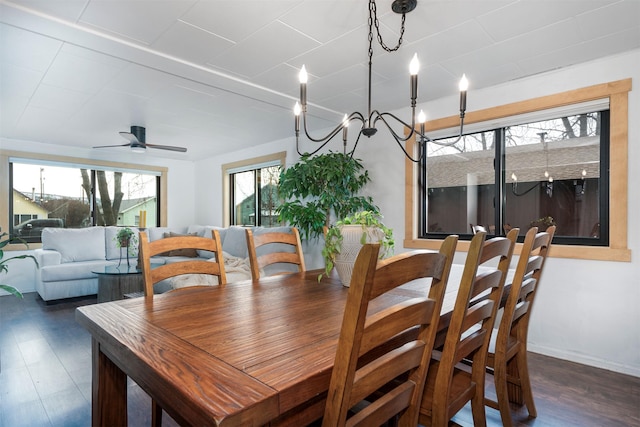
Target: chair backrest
{"x":523,"y":289}
{"x":477,"y":228}
{"x":468,"y":332}
{"x":369,"y":356}
{"x":151,"y":276}
{"x":285,"y":248}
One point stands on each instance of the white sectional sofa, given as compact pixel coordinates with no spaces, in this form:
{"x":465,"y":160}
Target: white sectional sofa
{"x":68,"y":256}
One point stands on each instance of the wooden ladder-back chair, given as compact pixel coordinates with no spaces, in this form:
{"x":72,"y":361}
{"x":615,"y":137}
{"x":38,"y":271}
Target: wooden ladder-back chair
{"x":394,"y":371}
{"x":450,"y":384}
{"x":148,"y":249}
{"x":154,"y":275}
{"x":507,"y":358}
{"x":290,"y":250}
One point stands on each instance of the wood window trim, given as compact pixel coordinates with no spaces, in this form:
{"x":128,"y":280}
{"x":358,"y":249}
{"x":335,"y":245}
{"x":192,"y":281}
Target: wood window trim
{"x":618,"y":94}
{"x":5,"y":155}
{"x":280,"y":157}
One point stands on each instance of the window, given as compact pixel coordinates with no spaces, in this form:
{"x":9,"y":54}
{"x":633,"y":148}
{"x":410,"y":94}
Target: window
{"x":251,"y":191}
{"x":613,"y":216}
{"x":45,"y":192}
{"x":538,"y":173}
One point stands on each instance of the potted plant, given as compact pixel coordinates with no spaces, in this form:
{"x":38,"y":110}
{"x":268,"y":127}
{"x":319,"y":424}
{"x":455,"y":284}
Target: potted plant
{"x":4,"y":268}
{"x":318,"y":188}
{"x":345,"y":238}
{"x":124,"y":239}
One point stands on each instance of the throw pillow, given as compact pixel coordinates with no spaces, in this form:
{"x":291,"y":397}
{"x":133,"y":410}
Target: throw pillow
{"x":187,"y":252}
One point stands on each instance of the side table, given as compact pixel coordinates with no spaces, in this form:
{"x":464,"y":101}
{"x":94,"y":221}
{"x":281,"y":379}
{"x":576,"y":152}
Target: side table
{"x":115,"y":281}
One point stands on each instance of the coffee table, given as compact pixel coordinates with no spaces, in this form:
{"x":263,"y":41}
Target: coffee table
{"x":115,"y":281}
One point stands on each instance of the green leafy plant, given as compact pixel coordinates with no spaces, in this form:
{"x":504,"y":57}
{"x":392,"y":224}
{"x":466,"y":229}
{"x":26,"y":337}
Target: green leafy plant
{"x":366,"y":219}
{"x":319,"y":186}
{"x":126,"y":238}
{"x":4,"y":268}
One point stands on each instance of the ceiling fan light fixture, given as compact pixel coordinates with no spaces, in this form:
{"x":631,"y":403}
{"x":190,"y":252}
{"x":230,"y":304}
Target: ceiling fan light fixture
{"x":137,"y":148}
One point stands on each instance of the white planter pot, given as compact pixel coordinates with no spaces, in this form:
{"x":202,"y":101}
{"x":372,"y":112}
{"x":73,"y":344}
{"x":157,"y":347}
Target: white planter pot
{"x":351,"y":245}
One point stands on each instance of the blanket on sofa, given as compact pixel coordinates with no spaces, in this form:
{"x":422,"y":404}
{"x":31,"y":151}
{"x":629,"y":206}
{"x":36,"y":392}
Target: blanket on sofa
{"x":236,"y":268}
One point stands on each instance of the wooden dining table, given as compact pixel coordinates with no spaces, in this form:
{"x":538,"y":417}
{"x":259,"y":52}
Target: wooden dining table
{"x":241,"y":354}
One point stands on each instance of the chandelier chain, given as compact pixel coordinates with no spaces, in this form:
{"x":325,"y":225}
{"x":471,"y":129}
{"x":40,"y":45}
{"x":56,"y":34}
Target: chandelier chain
{"x":373,"y":21}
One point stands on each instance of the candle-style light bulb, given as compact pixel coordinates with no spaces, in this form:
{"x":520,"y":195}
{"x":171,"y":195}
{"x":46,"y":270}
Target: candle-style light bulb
{"x":297,"y":109}
{"x":303,"y":76}
{"x":464,"y":85}
{"x":414,"y":65}
{"x":514,"y":177}
{"x":422,"y":118}
{"x":303,"y":87}
{"x":345,"y":128}
{"x":584,"y":173}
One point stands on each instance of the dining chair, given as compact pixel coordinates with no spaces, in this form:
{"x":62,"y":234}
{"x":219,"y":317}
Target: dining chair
{"x":278,"y":251}
{"x":477,"y":228}
{"x":507,"y":358}
{"x":151,"y":276}
{"x":213,"y":266}
{"x":378,"y":376}
{"x":465,"y":334}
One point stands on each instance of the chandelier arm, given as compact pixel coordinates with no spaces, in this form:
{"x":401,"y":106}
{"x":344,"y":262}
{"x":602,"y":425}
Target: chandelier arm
{"x":355,"y":144}
{"x":313,"y":152}
{"x":400,"y":140}
{"x":399,"y":120}
{"x":328,"y":137}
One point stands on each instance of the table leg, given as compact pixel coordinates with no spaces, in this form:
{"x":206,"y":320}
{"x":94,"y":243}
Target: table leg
{"x":108,"y":390}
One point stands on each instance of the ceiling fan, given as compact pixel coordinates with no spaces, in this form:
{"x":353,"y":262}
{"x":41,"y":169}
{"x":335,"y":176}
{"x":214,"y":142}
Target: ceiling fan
{"x":138,"y":144}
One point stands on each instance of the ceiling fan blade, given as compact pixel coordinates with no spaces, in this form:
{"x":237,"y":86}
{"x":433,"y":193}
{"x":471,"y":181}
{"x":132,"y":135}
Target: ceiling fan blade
{"x":107,"y":146}
{"x":129,"y":137}
{"x":167,"y":147}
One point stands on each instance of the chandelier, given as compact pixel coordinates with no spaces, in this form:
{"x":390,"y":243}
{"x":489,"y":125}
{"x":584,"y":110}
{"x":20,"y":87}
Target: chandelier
{"x":368,"y":123}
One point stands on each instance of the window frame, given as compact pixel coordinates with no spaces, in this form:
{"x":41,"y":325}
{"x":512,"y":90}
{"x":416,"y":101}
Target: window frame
{"x":617,"y":93}
{"x":499,"y":185}
{"x":247,"y":164}
{"x":5,"y":179}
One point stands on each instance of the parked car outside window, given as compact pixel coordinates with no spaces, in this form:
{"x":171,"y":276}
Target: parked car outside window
{"x":31,"y":230}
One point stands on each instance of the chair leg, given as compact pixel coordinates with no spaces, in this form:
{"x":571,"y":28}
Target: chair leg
{"x":525,"y":382}
{"x":502,"y":393}
{"x":156,"y":414}
{"x":478,"y":410}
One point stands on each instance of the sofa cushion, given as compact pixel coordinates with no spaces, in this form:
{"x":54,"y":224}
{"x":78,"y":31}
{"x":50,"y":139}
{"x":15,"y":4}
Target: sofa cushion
{"x":155,"y":233}
{"x":235,"y":241}
{"x":205,"y":231}
{"x":72,"y":271}
{"x":76,"y":244}
{"x":111,"y":243}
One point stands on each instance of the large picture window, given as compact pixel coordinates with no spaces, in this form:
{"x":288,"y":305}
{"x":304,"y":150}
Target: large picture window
{"x":588,"y":167}
{"x":57,"y":194}
{"x":536,"y":173}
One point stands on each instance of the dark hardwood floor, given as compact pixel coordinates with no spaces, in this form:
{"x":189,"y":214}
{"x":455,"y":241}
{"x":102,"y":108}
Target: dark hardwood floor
{"x":45,"y":378}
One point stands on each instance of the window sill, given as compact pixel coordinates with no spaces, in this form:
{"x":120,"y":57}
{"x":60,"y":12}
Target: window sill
{"x":596,"y":253}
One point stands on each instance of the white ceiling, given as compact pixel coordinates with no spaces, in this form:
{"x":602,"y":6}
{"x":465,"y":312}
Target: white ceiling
{"x":217,"y":76}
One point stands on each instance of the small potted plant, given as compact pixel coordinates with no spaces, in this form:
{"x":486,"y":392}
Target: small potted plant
{"x":4,"y":268}
{"x":126,"y":238}
{"x":345,"y":238}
